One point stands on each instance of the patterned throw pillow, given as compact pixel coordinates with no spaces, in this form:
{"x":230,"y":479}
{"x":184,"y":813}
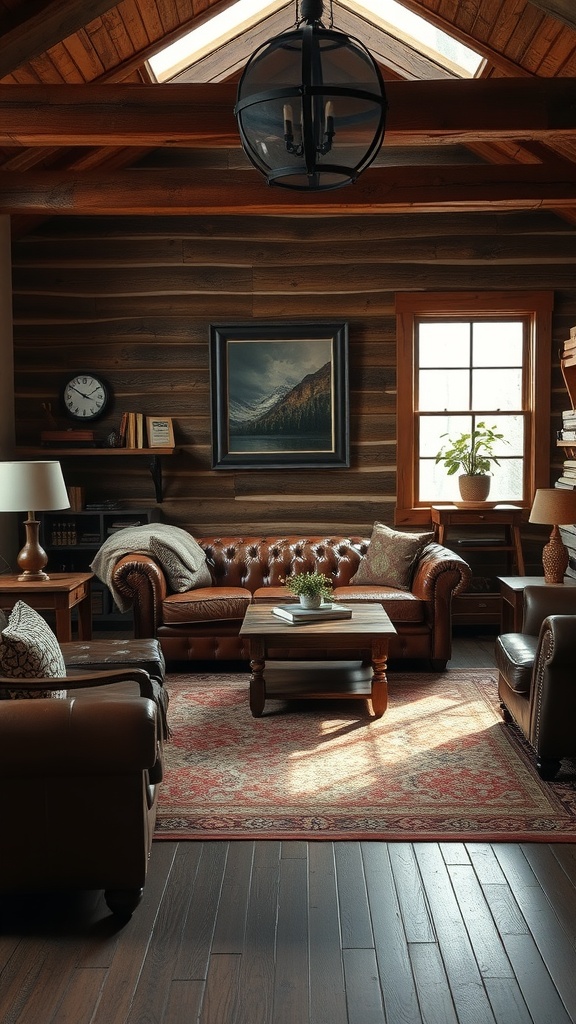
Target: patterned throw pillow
{"x":179,"y":576}
{"x":390,"y":558}
{"x":28,"y":649}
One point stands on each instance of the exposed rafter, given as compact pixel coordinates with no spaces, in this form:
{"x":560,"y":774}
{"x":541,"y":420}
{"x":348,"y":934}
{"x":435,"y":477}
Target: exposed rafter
{"x":202,"y":115}
{"x":31,"y":32}
{"x":380,"y":190}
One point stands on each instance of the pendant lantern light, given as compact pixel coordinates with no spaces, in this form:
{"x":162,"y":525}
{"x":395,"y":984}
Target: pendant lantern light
{"x":311,"y":106}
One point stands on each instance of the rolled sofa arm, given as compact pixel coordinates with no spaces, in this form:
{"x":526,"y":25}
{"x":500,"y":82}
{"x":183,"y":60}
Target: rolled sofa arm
{"x":440,"y":575}
{"x":553,"y":693}
{"x":440,"y":572}
{"x":141,"y":580}
{"x":88,"y":736}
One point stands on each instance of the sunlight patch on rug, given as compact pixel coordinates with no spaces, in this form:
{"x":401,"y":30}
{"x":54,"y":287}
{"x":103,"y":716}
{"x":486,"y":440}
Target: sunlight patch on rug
{"x":440,"y":764}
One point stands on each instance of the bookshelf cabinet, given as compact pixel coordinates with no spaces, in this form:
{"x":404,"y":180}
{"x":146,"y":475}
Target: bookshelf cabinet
{"x":566,"y":441}
{"x":71,"y":540}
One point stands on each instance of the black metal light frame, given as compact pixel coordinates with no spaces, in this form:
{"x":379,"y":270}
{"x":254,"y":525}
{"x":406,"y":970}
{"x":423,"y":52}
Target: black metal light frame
{"x":304,"y":155}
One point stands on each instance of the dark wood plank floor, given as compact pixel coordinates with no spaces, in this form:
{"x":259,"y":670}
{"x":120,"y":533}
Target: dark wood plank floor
{"x":309,"y":933}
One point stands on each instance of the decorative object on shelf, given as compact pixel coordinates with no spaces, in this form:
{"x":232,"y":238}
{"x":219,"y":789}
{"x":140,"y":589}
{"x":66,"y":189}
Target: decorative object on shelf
{"x":160,"y":432}
{"x":85,"y":396}
{"x":309,"y":587}
{"x":554,"y":507}
{"x":472,"y":452}
{"x":279,"y":395}
{"x":32,"y":485}
{"x":311,"y":106}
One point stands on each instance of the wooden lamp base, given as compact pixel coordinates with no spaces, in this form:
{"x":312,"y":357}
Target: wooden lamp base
{"x":32,"y":558}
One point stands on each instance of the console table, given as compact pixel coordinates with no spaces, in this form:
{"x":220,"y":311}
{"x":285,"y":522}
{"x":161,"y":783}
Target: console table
{"x":473,"y":608}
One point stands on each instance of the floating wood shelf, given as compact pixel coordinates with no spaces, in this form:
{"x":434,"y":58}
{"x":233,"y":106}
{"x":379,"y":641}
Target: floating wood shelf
{"x":79,"y":451}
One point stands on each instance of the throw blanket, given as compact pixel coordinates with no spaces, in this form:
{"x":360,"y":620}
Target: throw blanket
{"x":181,"y":557}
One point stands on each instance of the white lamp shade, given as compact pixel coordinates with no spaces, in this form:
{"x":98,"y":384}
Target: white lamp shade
{"x":554,"y":506}
{"x":32,"y":486}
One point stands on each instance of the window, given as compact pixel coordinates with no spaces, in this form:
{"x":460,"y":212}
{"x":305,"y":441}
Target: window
{"x":464,"y":359}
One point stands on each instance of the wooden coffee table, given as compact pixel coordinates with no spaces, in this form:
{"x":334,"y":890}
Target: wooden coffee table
{"x":369,"y":627}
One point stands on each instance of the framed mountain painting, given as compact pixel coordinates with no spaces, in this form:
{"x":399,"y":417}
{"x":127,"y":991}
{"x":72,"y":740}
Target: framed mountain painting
{"x":279,"y":395}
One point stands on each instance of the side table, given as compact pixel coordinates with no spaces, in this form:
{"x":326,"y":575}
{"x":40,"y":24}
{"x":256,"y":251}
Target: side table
{"x":512,"y":594}
{"x":60,"y":594}
{"x":509,"y":517}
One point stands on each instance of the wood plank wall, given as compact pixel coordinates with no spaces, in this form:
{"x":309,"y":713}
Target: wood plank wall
{"x":133,"y":299}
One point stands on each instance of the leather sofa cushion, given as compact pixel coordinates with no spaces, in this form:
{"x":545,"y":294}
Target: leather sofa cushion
{"x":399,"y":605}
{"x":515,"y":657}
{"x":206,"y":604}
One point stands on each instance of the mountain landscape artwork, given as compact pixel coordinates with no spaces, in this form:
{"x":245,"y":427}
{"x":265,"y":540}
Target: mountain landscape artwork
{"x":279,"y":394}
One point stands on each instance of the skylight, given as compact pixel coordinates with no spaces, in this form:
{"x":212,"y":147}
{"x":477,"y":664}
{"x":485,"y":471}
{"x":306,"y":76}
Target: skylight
{"x":389,"y":15}
{"x":415,"y":30}
{"x":209,"y":36}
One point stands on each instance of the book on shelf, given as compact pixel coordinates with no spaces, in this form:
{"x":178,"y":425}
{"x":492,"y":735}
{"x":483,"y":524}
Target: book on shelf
{"x":567,"y":481}
{"x":298,"y":615}
{"x":566,"y":435}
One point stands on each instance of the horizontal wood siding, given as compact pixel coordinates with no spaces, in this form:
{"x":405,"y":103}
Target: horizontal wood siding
{"x":133,"y":299}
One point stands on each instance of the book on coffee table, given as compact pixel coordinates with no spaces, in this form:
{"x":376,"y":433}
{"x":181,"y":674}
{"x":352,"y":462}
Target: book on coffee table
{"x":298,"y":615}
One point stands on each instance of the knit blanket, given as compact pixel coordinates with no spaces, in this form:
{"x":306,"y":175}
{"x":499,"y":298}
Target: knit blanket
{"x":180,"y":556}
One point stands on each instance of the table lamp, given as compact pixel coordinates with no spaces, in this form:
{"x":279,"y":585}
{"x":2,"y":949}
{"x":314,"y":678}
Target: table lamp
{"x":554,"y":506}
{"x":32,"y":485}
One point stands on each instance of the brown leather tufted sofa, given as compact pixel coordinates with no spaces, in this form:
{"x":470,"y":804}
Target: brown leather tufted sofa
{"x":203,"y":624}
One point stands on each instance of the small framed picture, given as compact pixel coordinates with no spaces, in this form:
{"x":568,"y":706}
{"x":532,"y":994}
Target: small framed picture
{"x":160,"y":432}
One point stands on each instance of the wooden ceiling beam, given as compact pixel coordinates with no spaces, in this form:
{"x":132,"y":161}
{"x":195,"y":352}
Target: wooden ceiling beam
{"x":191,"y":115}
{"x":46,"y":25}
{"x":562,"y":9}
{"x":378,"y":190}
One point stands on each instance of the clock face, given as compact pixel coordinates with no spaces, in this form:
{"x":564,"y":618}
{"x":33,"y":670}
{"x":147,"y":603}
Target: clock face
{"x":85,"y":396}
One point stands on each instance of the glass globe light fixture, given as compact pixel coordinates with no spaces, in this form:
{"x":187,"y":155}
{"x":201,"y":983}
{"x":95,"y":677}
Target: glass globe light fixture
{"x":311,"y":106}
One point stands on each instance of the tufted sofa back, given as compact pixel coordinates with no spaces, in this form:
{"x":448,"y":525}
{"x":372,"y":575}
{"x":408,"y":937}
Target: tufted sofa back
{"x":254,"y":562}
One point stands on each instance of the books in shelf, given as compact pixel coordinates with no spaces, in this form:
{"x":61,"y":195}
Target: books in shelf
{"x":298,"y":615}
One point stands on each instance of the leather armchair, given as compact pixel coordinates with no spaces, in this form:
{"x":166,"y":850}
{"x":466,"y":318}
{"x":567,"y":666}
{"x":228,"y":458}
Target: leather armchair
{"x":79,"y":778}
{"x":537,"y":678}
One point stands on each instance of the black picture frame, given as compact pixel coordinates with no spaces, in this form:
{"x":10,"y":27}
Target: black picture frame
{"x":279,"y":395}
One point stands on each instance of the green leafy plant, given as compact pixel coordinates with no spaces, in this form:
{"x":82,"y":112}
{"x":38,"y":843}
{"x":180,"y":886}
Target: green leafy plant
{"x":471,"y":453}
{"x":310,"y":584}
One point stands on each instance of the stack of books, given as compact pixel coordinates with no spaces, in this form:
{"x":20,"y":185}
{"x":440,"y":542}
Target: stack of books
{"x":297,"y":615}
{"x":131,"y":433}
{"x":568,"y":431}
{"x":568,"y":478}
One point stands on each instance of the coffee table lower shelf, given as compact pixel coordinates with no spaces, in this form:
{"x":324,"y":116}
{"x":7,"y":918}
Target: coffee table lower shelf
{"x":315,"y":680}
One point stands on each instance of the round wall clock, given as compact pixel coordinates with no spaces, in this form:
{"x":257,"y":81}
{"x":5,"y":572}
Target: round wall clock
{"x":85,"y":396}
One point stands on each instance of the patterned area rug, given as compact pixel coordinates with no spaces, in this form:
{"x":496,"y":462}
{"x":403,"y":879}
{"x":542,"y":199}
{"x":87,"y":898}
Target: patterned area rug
{"x":440,"y":765}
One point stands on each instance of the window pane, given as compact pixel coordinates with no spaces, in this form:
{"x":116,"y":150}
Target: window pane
{"x":498,"y":344}
{"x":432,"y":429}
{"x":435,"y":486}
{"x":444,"y":344}
{"x":507,"y":481}
{"x":497,"y":389}
{"x":444,"y":389}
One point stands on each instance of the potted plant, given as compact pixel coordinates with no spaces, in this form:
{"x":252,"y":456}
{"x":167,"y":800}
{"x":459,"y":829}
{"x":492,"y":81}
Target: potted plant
{"x":310,"y":587}
{"x":472,"y":453}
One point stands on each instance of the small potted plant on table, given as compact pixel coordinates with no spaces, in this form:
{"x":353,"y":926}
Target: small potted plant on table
{"x":472,"y":453}
{"x":310,"y":587}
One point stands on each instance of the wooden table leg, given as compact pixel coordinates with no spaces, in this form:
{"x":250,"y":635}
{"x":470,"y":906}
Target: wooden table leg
{"x":63,"y":618}
{"x":85,"y":616}
{"x":257,"y":682}
{"x":379,"y":692}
